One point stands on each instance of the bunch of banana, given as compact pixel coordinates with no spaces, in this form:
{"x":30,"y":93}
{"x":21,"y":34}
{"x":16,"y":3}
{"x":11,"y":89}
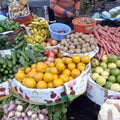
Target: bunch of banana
{"x":39,"y":31}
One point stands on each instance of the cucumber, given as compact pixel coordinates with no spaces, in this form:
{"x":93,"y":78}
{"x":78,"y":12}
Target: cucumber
{"x":9,"y":57}
{"x":23,"y":54}
{"x":30,"y":55}
{"x":20,"y":45}
{"x":22,"y":61}
{"x":14,"y":57}
{"x":9,"y":63}
{"x":1,"y":60}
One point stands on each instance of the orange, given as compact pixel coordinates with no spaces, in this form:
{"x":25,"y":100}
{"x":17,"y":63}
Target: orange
{"x":68,"y":60}
{"x":64,"y":59}
{"x":41,"y":66}
{"x":50,"y":85}
{"x":55,"y":76}
{"x":42,"y":85}
{"x":60,"y":66}
{"x":29,"y":82}
{"x":34,"y":70}
{"x":48,"y":77}
{"x":19,"y":76}
{"x":71,"y":66}
{"x":85,"y":59}
{"x":59,"y":55}
{"x":54,"y":70}
{"x":75,"y":73}
{"x":66,"y":71}
{"x":51,"y":64}
{"x":33,"y":66}
{"x":58,"y":82}
{"x":70,"y":78}
{"x":81,"y":66}
{"x":58,"y":60}
{"x":31,"y":74}
{"x":38,"y":76}
{"x":20,"y":70}
{"x":64,"y":77}
{"x":76,"y":58}
{"x":27,"y":69}
{"x":47,"y":69}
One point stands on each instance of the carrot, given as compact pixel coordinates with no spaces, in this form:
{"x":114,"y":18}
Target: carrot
{"x":117,"y":30}
{"x":96,"y":35}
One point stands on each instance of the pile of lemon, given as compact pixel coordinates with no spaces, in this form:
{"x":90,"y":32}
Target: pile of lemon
{"x":42,"y":75}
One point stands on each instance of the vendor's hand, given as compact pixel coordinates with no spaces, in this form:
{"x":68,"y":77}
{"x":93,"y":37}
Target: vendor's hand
{"x":77,"y":13}
{"x":117,"y":106}
{"x":70,"y":14}
{"x":109,"y":116}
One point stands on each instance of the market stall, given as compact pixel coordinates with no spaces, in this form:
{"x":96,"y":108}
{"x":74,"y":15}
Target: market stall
{"x":45,"y":68}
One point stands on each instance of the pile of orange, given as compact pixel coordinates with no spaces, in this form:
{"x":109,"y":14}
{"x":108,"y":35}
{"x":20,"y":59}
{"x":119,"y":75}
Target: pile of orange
{"x":42,"y":75}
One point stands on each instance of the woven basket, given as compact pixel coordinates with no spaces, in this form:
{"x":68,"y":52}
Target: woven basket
{"x":13,"y":35}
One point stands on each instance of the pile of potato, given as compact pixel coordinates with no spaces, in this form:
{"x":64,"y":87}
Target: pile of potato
{"x":18,"y":9}
{"x":78,"y":43}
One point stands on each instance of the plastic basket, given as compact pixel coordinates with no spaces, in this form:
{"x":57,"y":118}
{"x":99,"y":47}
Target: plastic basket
{"x":59,"y":27}
{"x":84,"y":28}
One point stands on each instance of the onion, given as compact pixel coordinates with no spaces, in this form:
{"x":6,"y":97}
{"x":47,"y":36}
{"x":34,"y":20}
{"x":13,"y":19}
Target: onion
{"x":11,"y":107}
{"x":46,"y":118}
{"x":44,"y":111}
{"x":23,"y":114}
{"x":20,"y":118}
{"x":34,"y":116}
{"x":29,"y":113}
{"x":18,"y":114}
{"x":19,"y":108}
{"x":26,"y":118}
{"x":41,"y":116}
{"x":11,"y":114}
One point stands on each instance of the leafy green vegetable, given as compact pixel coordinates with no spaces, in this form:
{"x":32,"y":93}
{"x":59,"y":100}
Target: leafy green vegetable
{"x":114,"y":14}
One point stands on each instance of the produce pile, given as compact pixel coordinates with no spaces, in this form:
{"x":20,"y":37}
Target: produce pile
{"x":42,"y":75}
{"x":15,"y":109}
{"x":106,"y":72}
{"x":39,"y":31}
{"x":108,"y":40}
{"x":17,"y":9}
{"x":8,"y":25}
{"x":78,"y":43}
{"x":36,"y":63}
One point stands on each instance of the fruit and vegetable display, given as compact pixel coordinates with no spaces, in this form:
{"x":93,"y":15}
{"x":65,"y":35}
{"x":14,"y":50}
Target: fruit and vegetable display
{"x":17,"y":9}
{"x":112,"y":13}
{"x":108,"y":40}
{"x":106,"y":72}
{"x":54,"y":74}
{"x":38,"y":31}
{"x":8,"y":25}
{"x":35,"y":63}
{"x":78,"y":43}
{"x":16,"y":109}
{"x":85,"y":20}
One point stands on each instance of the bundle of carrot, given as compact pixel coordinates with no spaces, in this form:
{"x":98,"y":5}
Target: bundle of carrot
{"x":108,"y":39}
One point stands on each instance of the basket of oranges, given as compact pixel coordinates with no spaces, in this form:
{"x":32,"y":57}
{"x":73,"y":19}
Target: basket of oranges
{"x":52,"y":83}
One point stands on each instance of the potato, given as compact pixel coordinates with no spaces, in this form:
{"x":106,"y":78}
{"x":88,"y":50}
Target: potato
{"x":77,"y":51}
{"x":89,"y":49}
{"x":65,"y":49}
{"x":72,"y":47}
{"x":79,"y":46}
{"x":71,"y":51}
{"x":84,"y":50}
{"x":93,"y":47}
